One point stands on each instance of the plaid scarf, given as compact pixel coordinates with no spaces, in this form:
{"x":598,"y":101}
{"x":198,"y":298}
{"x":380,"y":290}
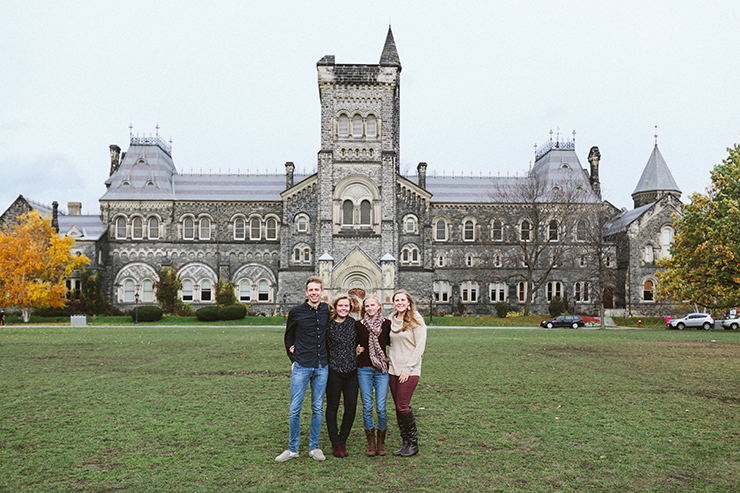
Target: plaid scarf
{"x":377,"y":356}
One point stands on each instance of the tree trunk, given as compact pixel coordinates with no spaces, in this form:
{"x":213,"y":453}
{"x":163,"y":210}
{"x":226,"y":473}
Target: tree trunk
{"x":26,"y":314}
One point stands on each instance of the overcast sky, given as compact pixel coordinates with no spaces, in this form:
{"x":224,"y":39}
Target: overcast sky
{"x":234,"y":85}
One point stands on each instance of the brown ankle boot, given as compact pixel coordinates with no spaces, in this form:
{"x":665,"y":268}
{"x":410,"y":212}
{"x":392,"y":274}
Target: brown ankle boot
{"x":370,"y":442}
{"x":381,"y":441}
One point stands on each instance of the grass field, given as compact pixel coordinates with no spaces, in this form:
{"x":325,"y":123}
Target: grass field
{"x":94,"y":409}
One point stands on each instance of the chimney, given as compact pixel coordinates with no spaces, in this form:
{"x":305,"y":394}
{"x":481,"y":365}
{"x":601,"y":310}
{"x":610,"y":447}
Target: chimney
{"x":289,"y":169}
{"x":421,"y":170}
{"x":74,"y":208}
{"x":55,"y":216}
{"x":115,"y":158}
{"x":594,"y":156}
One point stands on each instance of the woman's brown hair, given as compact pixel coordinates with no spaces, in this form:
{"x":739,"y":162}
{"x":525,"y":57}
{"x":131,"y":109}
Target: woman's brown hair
{"x":334,"y":303}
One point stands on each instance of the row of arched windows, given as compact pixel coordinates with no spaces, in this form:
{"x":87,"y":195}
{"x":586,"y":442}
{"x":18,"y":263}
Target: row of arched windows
{"x":202,"y":290}
{"x":525,"y":230}
{"x":200,"y":228}
{"x":499,"y":291}
{"x":357,"y":127}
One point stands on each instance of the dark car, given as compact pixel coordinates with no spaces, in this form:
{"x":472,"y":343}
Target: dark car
{"x":573,"y":321}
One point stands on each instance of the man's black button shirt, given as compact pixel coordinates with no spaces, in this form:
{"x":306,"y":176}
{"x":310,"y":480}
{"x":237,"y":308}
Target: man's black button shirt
{"x":306,"y":330}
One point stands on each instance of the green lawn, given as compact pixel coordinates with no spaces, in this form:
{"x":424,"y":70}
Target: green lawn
{"x":95,"y":409}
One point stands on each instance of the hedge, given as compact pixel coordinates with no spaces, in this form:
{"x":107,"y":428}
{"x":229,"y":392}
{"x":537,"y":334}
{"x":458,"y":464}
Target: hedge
{"x":207,"y":314}
{"x":147,"y":313}
{"x":232,"y":312}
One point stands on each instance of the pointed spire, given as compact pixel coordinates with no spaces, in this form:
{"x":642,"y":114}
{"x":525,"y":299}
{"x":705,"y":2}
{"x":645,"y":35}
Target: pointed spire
{"x":656,"y":181}
{"x":390,"y":54}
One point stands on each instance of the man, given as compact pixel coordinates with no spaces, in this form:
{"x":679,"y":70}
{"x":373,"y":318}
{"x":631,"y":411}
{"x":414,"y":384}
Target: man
{"x":304,"y":343}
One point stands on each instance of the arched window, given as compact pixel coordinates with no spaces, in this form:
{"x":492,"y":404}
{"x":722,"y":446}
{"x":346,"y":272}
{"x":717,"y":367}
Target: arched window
{"x":648,"y":253}
{"x":365,"y":219}
{"x":264,"y":291}
{"x":554,"y":288}
{"x":498,"y":291}
{"x":153,"y":228}
{"x":205,"y":290}
{"x":357,"y":127}
{"x":498,"y":260}
{"x":245,"y":290}
{"x":469,"y":231}
{"x":497,"y":231}
{"x":255,"y":229}
{"x":440,"y":229}
{"x":187,"y":290}
{"x":581,"y":230}
{"x":410,"y":225}
{"x":188,"y":229}
{"x":204,"y":232}
{"x":372,"y":127}
{"x":301,"y":224}
{"x":137,"y":228}
{"x":521,"y":290}
{"x":128,"y":291}
{"x":410,"y":254}
{"x":147,"y":291}
{"x":526,"y":231}
{"x":469,"y":260}
{"x":343,"y":127}
{"x":666,"y":241}
{"x":121,"y":228}
{"x":441,"y":260}
{"x":581,"y":291}
{"x":240,"y":229}
{"x":302,"y":254}
{"x":442,"y":291}
{"x":348,"y":209}
{"x":552,"y":231}
{"x":272,"y":229}
{"x":647,"y":291}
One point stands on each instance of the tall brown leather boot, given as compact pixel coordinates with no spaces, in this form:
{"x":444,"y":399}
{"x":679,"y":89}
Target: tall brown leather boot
{"x":370,"y":442}
{"x":381,"y":441}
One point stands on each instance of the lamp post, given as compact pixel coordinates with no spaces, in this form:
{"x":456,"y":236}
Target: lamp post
{"x":285,"y":319}
{"x":136,"y":309}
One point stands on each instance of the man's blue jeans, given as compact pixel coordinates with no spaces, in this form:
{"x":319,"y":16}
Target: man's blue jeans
{"x":371,"y":378}
{"x":299,"y":380}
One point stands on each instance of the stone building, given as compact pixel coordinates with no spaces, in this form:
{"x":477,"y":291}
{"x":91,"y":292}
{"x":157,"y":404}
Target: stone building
{"x":456,"y":242}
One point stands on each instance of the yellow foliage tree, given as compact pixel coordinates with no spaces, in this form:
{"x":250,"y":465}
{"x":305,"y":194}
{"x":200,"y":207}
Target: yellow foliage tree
{"x":34,"y":262}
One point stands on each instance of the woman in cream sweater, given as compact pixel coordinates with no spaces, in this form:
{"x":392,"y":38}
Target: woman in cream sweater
{"x":408,"y":338}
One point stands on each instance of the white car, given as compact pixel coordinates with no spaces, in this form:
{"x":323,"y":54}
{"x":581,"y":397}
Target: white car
{"x":732,"y":323}
{"x":703,"y":320}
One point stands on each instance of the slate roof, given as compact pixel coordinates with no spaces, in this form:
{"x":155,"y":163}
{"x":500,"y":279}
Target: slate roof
{"x":622,"y":221}
{"x":389,"y":56}
{"x":656,"y":175}
{"x":90,"y":226}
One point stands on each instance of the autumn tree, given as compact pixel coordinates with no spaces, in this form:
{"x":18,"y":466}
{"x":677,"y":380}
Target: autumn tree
{"x":34,"y":262}
{"x":167,"y":287}
{"x":704,"y":266}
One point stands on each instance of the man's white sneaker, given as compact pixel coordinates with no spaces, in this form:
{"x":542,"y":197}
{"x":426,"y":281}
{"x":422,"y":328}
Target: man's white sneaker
{"x":316,"y":454}
{"x":287,"y":455}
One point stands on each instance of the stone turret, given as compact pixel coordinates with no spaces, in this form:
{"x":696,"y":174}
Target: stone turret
{"x":594,"y":156}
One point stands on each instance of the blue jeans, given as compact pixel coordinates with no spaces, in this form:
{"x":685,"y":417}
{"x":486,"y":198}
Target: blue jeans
{"x":371,"y":378}
{"x":299,"y":380}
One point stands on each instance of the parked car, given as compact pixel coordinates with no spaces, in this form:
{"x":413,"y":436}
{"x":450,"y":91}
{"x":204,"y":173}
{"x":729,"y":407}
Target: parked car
{"x":703,"y":320}
{"x":573,"y":321}
{"x":731,"y":323}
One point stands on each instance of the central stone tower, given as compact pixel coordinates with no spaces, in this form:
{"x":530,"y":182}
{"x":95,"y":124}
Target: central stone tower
{"x":357,"y":172}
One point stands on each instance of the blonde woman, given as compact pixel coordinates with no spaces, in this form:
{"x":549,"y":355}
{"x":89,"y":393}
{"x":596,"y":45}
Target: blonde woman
{"x":373,"y":332}
{"x":342,"y":381}
{"x":408,"y":338}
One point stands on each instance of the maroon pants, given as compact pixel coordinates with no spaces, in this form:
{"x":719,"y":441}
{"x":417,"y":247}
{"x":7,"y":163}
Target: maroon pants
{"x":402,"y":392}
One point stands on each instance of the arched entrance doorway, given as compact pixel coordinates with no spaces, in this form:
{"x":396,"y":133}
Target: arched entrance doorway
{"x":608,"y":298}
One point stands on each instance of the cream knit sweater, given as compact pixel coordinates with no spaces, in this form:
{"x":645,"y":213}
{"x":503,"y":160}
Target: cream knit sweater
{"x":407,"y":347}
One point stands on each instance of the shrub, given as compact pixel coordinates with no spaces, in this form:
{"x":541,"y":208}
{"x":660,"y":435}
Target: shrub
{"x":207,"y":314}
{"x":225,"y":293}
{"x":502,"y":308}
{"x":183,"y":309}
{"x":232,"y":312}
{"x":92,"y":293}
{"x":167,"y":286}
{"x":558,"y":306}
{"x":147,"y":313}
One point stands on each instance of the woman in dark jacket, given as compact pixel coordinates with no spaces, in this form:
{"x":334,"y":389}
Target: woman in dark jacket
{"x":372,"y":370}
{"x":341,"y":351}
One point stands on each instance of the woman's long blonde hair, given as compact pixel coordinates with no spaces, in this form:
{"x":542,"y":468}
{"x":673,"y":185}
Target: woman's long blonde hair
{"x":334,"y":303}
{"x":362,"y":307}
{"x":409,"y":318}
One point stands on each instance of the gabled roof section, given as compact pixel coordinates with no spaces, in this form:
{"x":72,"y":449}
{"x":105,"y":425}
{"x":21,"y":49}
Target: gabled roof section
{"x":86,"y":227}
{"x":656,"y":175}
{"x":146,"y":173}
{"x":390,"y":54}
